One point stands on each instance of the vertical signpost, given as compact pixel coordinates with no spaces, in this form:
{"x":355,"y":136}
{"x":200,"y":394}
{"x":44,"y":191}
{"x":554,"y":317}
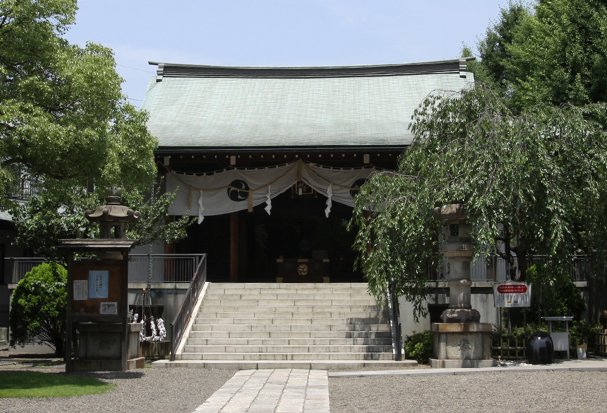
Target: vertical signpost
{"x":512,"y":294}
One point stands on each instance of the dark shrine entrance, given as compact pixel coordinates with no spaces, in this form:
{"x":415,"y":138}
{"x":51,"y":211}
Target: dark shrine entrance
{"x":265,"y":247}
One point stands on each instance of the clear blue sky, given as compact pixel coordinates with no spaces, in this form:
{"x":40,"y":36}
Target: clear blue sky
{"x":277,"y":32}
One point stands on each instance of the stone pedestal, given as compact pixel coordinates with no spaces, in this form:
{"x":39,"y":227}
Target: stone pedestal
{"x":462,"y":345}
{"x":100,"y":347}
{"x":461,"y":340}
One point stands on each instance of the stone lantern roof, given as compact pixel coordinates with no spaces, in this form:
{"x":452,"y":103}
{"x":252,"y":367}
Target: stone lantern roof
{"x":112,"y":217}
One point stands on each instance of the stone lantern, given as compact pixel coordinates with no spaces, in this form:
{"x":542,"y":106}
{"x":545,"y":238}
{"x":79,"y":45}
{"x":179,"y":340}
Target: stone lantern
{"x":112,"y":217}
{"x":97,"y":294}
{"x":461,"y":340}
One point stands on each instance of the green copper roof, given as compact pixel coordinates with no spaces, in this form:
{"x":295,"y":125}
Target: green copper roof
{"x":227,"y":107}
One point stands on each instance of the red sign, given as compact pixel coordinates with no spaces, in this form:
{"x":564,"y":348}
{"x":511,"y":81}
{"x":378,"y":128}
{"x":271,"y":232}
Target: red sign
{"x":512,"y":289}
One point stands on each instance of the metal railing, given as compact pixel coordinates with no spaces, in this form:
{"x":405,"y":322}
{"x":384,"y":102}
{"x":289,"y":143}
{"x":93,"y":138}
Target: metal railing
{"x":165,"y":267}
{"x":22,"y":266}
{"x":180,"y":322}
{"x":496,"y":269}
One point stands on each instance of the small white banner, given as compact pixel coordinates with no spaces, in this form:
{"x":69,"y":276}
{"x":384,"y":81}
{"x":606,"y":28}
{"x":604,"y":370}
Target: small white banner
{"x":512,"y":294}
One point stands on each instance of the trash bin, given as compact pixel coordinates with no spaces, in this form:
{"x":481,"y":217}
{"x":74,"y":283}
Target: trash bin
{"x":540,"y":349}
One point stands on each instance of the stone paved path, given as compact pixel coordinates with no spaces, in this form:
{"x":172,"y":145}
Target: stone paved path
{"x":254,"y":391}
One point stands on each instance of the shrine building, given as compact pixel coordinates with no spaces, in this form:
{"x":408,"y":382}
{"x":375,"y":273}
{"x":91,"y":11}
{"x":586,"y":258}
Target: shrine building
{"x":270,"y":158}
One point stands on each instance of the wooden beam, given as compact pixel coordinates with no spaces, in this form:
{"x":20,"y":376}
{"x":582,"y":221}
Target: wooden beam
{"x":234,"y":247}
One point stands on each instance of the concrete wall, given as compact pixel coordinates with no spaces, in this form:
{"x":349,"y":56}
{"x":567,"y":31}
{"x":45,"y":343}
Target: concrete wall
{"x":170,"y":295}
{"x":6,"y":271}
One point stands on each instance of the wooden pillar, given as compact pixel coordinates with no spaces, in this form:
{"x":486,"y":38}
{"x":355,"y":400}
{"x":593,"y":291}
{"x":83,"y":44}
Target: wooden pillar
{"x":243,"y":247}
{"x":234,"y":247}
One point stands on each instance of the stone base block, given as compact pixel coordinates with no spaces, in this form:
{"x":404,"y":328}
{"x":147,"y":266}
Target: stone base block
{"x":155,"y":349}
{"x":455,"y":364}
{"x":462,"y":345}
{"x":107,"y":365}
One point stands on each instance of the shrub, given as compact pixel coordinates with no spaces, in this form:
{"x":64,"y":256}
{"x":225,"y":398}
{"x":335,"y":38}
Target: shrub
{"x":559,"y":295}
{"x":38,"y":308}
{"x":419,"y":346}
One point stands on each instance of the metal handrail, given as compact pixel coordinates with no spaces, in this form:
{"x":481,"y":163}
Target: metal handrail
{"x":180,"y":322}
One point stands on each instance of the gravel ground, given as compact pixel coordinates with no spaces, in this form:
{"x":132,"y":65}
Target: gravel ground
{"x":183,"y":390}
{"x":496,"y":392}
{"x":144,"y":390}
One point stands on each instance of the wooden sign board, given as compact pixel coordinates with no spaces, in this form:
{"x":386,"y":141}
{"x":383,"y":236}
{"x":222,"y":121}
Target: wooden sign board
{"x":97,"y":289}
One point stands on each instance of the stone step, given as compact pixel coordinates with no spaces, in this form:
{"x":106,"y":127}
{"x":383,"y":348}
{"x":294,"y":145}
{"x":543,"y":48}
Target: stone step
{"x":288,"y":349}
{"x":220,"y":302}
{"x":288,"y":341}
{"x":287,"y":286}
{"x":302,"y":364}
{"x":292,"y":334}
{"x":235,"y":307}
{"x":295,"y":314}
{"x":291,"y":327}
{"x":286,"y":356}
{"x":292,"y":296}
{"x":258,"y":324}
{"x":290,"y":321}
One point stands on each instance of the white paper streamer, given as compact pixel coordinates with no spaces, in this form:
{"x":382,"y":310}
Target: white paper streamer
{"x":329,"y":202}
{"x":200,"y":209}
{"x":268,"y":207}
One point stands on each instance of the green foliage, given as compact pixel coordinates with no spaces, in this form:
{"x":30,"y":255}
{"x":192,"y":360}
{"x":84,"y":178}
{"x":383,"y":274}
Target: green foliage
{"x":554,"y":52}
{"x":554,"y":293}
{"x":579,"y":332}
{"x":494,"y":69}
{"x":52,"y":215}
{"x":532,"y":184}
{"x":38,"y":308}
{"x":152,"y":225}
{"x":63,"y":120}
{"x":419,"y":346}
{"x":35,"y":384}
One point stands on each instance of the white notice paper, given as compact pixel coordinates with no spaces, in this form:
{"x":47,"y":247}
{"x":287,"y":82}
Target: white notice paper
{"x":81,"y":289}
{"x":108,"y":308}
{"x":98,"y":284}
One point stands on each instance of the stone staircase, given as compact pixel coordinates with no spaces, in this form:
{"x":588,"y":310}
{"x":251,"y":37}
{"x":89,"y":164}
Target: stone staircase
{"x":318,"y":326}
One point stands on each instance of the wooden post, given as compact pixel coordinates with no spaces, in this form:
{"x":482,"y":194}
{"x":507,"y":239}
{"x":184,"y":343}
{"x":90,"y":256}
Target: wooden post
{"x":69,"y":325}
{"x":234,"y":247}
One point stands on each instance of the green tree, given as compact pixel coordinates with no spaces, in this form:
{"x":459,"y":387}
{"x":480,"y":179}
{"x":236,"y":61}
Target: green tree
{"x":554,"y":52}
{"x":559,"y":54}
{"x":66,"y":129}
{"x":494,"y":66}
{"x":53,"y":215}
{"x":554,"y":294}
{"x":63,"y":119}
{"x":38,"y":308}
{"x":532,"y":184}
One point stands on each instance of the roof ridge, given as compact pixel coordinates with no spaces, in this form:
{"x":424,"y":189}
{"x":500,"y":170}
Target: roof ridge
{"x":398,"y":69}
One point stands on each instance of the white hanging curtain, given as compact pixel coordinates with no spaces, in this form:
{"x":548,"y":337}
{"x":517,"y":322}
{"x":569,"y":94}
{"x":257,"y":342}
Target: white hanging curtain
{"x":237,"y":189}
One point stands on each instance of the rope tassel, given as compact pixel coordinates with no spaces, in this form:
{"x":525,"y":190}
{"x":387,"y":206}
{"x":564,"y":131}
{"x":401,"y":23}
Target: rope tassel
{"x":200,"y":209}
{"x":329,"y":201}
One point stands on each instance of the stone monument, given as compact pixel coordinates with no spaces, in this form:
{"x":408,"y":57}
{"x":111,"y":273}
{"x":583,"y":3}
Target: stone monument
{"x":461,"y":340}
